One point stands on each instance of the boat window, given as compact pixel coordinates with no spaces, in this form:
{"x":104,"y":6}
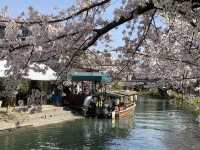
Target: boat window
{"x":126,"y":99}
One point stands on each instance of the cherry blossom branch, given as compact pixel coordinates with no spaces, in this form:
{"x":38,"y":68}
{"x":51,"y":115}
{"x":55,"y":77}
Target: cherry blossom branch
{"x":140,"y":41}
{"x":28,"y":60}
{"x":85,"y":9}
{"x":170,"y":59}
{"x":99,"y":32}
{"x":24,"y":45}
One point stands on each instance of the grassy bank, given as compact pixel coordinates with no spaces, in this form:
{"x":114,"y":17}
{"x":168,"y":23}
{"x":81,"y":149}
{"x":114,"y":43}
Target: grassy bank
{"x":152,"y":94}
{"x":191,"y":104}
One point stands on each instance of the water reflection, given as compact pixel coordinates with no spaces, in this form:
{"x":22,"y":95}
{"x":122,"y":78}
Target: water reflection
{"x":156,"y":125}
{"x":83,"y":134}
{"x":177,"y":129}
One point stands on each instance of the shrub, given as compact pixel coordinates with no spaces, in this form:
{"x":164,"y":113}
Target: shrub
{"x":23,"y":87}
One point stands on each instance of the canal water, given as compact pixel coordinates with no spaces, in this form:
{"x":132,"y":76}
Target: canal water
{"x":156,"y":125}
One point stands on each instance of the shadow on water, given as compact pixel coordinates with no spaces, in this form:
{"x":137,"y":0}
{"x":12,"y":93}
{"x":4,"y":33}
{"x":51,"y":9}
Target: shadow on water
{"x":155,"y":125}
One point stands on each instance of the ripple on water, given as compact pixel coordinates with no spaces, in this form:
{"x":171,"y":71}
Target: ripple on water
{"x":156,"y":125}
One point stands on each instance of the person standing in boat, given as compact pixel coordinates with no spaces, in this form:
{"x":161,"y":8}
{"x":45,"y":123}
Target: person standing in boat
{"x":99,"y":106}
{"x":87,"y":100}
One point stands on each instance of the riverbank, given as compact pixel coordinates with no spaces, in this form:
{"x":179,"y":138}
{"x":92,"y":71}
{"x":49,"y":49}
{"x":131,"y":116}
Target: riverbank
{"x":49,"y":115}
{"x":152,"y":94}
{"x":190,"y":103}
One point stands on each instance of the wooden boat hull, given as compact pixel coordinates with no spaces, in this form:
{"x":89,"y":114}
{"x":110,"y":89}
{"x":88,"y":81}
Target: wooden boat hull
{"x":126,"y":112}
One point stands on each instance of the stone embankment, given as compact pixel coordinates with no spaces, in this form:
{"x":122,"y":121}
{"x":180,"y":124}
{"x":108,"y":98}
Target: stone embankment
{"x":48,"y":115}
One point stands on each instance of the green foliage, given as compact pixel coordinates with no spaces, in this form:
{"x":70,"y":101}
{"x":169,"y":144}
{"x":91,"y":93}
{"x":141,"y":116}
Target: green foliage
{"x":193,"y":108}
{"x":176,"y":95}
{"x":23,"y":87}
{"x":195,"y":100}
{"x":152,"y":93}
{"x":116,"y":87}
{"x":192,"y":105}
{"x":8,"y":87}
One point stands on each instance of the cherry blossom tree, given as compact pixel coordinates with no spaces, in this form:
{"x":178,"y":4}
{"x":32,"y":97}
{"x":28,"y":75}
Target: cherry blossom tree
{"x":63,"y":41}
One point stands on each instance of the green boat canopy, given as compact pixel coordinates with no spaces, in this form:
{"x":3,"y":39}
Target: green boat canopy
{"x":90,"y":76}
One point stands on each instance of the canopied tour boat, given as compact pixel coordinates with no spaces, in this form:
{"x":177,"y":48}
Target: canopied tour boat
{"x":100,"y":101}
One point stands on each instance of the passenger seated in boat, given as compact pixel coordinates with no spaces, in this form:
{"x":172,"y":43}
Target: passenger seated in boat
{"x":87,"y":100}
{"x":121,"y":106}
{"x":99,"y":105}
{"x":99,"y":102}
{"x":91,"y":111}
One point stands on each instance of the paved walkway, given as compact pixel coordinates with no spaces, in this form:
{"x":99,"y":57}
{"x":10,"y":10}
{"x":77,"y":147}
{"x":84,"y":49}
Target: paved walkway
{"x":49,"y":115}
